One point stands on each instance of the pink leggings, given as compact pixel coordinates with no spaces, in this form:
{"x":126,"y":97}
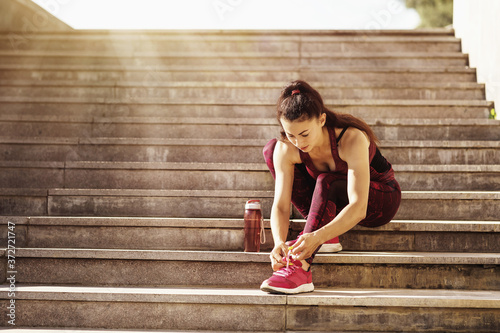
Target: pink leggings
{"x":320,"y":200}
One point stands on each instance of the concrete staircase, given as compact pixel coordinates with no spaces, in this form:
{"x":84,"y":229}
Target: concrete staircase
{"x":127,"y":157}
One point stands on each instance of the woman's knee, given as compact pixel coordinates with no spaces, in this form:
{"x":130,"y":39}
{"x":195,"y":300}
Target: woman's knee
{"x":332,"y":188}
{"x":268,"y":150}
{"x":331,"y":181}
{"x":323,"y":179}
{"x":382,"y":207}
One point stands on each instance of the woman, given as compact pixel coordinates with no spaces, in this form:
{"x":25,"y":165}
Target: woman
{"x":329,"y":167}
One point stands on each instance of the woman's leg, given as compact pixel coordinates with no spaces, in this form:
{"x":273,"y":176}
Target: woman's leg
{"x":330,"y":196}
{"x":383,"y":204}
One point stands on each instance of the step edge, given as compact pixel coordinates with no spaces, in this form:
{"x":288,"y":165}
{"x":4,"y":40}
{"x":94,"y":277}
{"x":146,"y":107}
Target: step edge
{"x":233,"y":167}
{"x":343,"y":257}
{"x":237,"y":223}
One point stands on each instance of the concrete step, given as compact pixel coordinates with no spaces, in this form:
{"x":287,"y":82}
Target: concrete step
{"x":107,"y":267}
{"x":227,"y":234}
{"x":88,"y":330}
{"x":166,"y":308}
{"x":99,"y":34}
{"x":367,"y":109}
{"x":226,"y":91}
{"x":436,"y":34}
{"x":424,"y":236}
{"x":416,"y":205}
{"x":219,"y":176}
{"x":39,"y":69}
{"x":66,"y":330}
{"x":204,"y":58}
{"x":216,"y":42}
{"x":231,"y":128}
{"x":158,"y":35}
{"x":225,"y":150}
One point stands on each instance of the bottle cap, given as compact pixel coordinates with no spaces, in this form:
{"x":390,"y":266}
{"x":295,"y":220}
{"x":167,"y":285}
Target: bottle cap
{"x":252,"y":204}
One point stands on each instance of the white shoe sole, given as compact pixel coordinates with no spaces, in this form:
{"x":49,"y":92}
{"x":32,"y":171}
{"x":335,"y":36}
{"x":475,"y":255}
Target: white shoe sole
{"x":305,"y":288}
{"x":330,"y":248}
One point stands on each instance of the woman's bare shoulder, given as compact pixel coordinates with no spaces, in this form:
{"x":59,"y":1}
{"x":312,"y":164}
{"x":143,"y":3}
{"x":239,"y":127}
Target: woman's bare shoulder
{"x":354,"y":136}
{"x":353,"y":142}
{"x":287,"y":152}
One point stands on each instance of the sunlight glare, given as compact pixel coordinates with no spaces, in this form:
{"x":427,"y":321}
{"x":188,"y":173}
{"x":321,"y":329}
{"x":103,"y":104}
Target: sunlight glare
{"x":233,"y":14}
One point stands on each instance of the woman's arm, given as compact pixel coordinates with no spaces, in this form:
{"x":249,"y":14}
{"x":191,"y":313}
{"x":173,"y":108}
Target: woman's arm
{"x":355,"y":153}
{"x":283,"y":158}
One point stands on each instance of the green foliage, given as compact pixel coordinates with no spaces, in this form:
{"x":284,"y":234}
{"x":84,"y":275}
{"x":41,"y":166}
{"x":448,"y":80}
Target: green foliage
{"x":493,"y":114}
{"x":433,"y":13}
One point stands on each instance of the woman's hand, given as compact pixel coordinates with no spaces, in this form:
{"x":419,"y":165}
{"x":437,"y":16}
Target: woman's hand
{"x":305,"y":246}
{"x":277,"y":255}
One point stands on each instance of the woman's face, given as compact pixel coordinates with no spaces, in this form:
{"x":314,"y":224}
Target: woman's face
{"x":305,"y":134}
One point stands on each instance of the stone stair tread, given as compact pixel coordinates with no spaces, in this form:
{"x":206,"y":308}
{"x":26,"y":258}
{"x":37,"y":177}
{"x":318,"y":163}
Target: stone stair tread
{"x":416,"y":195}
{"x":329,"y":296}
{"x":231,"y":142}
{"x":438,"y":168}
{"x":89,"y":330}
{"x":149,"y":165}
{"x":166,"y":193}
{"x":234,"y":121}
{"x":269,"y":121}
{"x":243,"y":85}
{"x":295,"y":53}
{"x":343,"y":257}
{"x":125,"y":294}
{"x":247,"y":36}
{"x":99,"y":34}
{"x":380,"y":111}
{"x":67,"y":330}
{"x":158,"y":101}
{"x":237,"y":68}
{"x":430,"y":195}
{"x":430,"y":225}
{"x":222,"y":223}
{"x":398,"y":297}
{"x":408,"y":54}
{"x":453,"y":168}
{"x":427,"y":205}
{"x":86,"y":109}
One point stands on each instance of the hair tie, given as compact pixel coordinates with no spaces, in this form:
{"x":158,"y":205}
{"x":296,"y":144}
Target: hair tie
{"x":296,"y":91}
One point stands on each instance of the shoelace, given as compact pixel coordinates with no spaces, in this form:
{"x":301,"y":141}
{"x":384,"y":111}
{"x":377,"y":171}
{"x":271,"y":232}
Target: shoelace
{"x":285,"y":271}
{"x":288,"y":257}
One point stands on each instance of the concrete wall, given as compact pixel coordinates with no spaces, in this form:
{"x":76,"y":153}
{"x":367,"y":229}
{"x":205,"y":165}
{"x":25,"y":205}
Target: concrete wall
{"x":477,"y":23}
{"x":24,"y":17}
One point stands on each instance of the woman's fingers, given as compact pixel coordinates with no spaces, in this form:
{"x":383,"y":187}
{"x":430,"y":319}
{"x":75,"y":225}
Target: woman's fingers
{"x":277,"y":266}
{"x":277,"y":256}
{"x":298,"y":246}
{"x":303,"y":248}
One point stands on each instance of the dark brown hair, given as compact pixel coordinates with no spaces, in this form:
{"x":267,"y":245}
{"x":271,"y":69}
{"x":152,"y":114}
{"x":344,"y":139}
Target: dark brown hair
{"x":307,"y":103}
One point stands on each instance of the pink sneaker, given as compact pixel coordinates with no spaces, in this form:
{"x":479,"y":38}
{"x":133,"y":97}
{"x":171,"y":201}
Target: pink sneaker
{"x":331,"y":246}
{"x":289,"y":280}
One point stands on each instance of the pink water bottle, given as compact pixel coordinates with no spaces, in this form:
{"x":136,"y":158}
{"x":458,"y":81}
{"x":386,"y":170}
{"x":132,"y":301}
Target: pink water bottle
{"x":254,"y":226}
